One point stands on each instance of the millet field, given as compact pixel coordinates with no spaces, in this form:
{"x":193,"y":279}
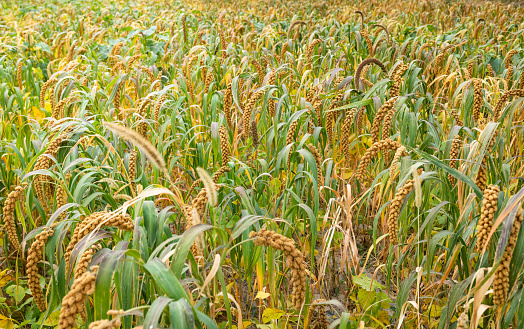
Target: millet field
{"x":242,"y":164}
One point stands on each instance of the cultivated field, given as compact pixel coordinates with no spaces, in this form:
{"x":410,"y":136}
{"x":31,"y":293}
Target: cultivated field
{"x":261,"y":164}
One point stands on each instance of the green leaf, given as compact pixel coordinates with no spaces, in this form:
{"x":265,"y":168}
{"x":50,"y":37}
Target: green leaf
{"x":104,"y":281}
{"x":455,"y":173}
{"x":17,"y":292}
{"x":185,"y":243}
{"x":165,"y":279}
{"x":181,"y":314}
{"x":365,"y":282}
{"x":155,"y":311}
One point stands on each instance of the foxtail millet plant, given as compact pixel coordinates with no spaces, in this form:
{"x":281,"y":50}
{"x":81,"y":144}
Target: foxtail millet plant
{"x":487,"y":214}
{"x":383,"y":145}
{"x":224,"y":145}
{"x":394,"y":210}
{"x":293,"y":257}
{"x":454,"y":154}
{"x":501,"y":281}
{"x":9,"y":211}
{"x":73,"y":302}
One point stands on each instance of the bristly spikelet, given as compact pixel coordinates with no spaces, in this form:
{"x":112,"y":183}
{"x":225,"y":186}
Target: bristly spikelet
{"x":454,"y":156}
{"x":394,"y":164}
{"x":397,"y":80}
{"x":156,"y":110}
{"x":477,"y":98}
{"x":73,"y":302}
{"x":184,"y":27}
{"x":93,"y":222}
{"x":318,"y":160}
{"x":491,"y":73}
{"x":149,"y":150}
{"x":371,"y":152}
{"x":487,"y":214}
{"x":249,"y":109}
{"x":366,"y":37}
{"x":9,"y":219}
{"x":19,"y":74}
{"x":361,"y":66}
{"x":228,"y":100}
{"x":132,"y":171}
{"x":346,"y":132}
{"x":44,"y":88}
{"x":294,"y":259}
{"x":379,"y":116}
{"x":224,"y":145}
{"x":501,"y":281}
{"x":509,"y":67}
{"x":503,"y":99}
{"x":309,"y":51}
{"x":34,"y":256}
{"x":254,"y":134}
{"x":394,"y":210}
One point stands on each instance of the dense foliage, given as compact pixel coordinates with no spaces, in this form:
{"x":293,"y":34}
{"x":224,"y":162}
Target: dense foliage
{"x":261,"y":164}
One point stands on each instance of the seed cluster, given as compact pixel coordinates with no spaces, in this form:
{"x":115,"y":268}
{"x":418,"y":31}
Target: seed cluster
{"x":501,"y":281}
{"x":294,"y":259}
{"x":379,"y":117}
{"x":394,"y":210}
{"x":509,"y":67}
{"x":454,"y":156}
{"x":33,"y":258}
{"x":45,"y":192}
{"x":383,"y":145}
{"x":73,"y":302}
{"x":396,"y":76}
{"x":401,"y":151}
{"x":477,"y":99}
{"x":487,"y":213}
{"x":9,"y":218}
{"x":224,"y":145}
{"x":93,"y":222}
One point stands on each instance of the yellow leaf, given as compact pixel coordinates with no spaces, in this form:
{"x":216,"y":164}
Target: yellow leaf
{"x":52,"y":320}
{"x":6,"y":323}
{"x":347,"y":174}
{"x":383,"y":316}
{"x":262,"y":295}
{"x":245,"y":324}
{"x":47,"y":106}
{"x":37,"y":113}
{"x":5,"y":278}
{"x":271,"y":314}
